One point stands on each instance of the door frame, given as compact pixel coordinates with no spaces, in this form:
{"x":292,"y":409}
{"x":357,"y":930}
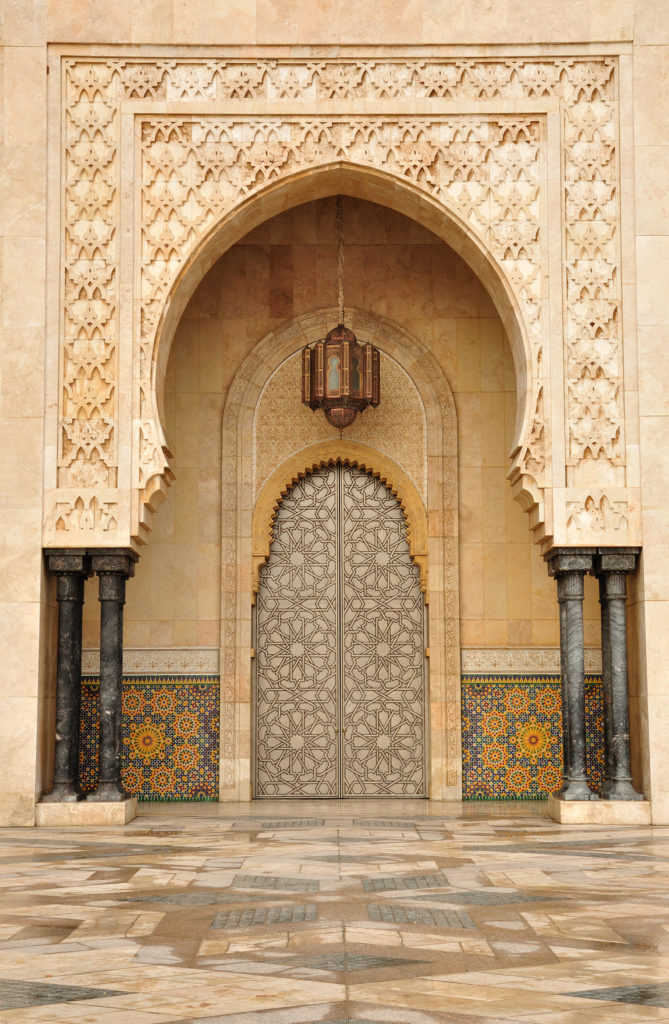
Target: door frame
{"x":247,"y":508}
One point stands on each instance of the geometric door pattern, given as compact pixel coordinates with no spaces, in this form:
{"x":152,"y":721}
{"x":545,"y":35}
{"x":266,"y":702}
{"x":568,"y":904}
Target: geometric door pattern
{"x":340,"y":663}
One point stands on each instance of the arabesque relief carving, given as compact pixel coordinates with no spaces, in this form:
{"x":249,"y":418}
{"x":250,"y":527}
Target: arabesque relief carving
{"x":87,"y":456}
{"x":489,"y":168}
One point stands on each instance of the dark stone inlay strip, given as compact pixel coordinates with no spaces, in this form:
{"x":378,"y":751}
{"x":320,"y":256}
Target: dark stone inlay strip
{"x":643,"y":995}
{"x":384,"y":823}
{"x":15,"y":995}
{"x":286,"y":823}
{"x":292,"y":914}
{"x":393,"y":882}
{"x":394,"y":914}
{"x":198,"y":899}
{"x":275,"y":882}
{"x":349,"y":961}
{"x":482,"y":897}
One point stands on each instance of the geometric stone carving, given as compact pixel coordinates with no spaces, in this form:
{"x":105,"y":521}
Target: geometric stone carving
{"x":487,"y":166}
{"x":487,"y":169}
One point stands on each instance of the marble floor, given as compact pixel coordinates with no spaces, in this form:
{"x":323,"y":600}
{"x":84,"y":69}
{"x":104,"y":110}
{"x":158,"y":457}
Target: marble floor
{"x":352,"y":912}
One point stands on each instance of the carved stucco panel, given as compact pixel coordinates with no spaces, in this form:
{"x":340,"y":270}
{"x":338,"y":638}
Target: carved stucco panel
{"x":283,"y":425}
{"x":488,"y":170}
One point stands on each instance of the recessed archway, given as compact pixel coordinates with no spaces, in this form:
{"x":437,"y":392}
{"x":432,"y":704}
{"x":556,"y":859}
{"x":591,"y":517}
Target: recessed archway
{"x":246,"y":528}
{"x":402,"y":196}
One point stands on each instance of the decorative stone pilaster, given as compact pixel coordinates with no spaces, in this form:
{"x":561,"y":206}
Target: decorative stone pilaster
{"x":569,"y":566}
{"x":71,"y":569}
{"x":611,"y":566}
{"x":113,"y":568}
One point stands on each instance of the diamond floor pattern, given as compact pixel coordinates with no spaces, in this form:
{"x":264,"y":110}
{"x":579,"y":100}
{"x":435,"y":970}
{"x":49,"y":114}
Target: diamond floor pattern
{"x":340,"y":912}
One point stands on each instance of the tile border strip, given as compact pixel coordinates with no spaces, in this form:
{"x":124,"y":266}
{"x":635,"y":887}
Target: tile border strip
{"x":158,"y":661}
{"x":521,"y":660}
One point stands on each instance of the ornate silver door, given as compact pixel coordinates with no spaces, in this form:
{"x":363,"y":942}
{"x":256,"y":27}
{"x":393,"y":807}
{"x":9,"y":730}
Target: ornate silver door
{"x":340,"y":679}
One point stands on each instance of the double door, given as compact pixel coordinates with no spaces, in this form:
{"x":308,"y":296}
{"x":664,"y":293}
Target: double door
{"x":340,"y":646}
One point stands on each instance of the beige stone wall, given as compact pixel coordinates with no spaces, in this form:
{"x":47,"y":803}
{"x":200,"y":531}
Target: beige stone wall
{"x":649,"y":120}
{"x":26,"y":614}
{"x":395,"y":269}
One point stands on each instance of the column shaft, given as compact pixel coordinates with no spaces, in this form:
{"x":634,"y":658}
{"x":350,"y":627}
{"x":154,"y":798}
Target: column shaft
{"x":112,"y":571}
{"x":569,"y":567}
{"x":71,"y":570}
{"x":612,"y":568}
{"x":606,"y":687}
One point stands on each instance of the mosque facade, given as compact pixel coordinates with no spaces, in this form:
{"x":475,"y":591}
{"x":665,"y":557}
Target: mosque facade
{"x":210,"y":591}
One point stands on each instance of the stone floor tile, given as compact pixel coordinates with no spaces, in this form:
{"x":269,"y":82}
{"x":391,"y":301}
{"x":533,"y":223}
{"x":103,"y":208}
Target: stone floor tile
{"x":273,"y":913}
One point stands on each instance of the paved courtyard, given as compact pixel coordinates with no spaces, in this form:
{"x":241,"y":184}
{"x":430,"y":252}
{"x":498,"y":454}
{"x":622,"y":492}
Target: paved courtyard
{"x":348,"y":912}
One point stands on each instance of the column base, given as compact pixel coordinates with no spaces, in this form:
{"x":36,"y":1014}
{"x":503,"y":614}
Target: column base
{"x":63,"y":793}
{"x":108,"y":793}
{"x":599,"y":812}
{"x":620,"y":789}
{"x":576,"y":790}
{"x":84,"y":812}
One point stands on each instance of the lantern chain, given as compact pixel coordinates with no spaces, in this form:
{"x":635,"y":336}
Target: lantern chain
{"x":340,"y":257}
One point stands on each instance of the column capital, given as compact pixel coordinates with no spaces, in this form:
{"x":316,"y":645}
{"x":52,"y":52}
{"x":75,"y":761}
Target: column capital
{"x":68,"y":560}
{"x":114,"y":560}
{"x":615,"y":560}
{"x":568,"y":560}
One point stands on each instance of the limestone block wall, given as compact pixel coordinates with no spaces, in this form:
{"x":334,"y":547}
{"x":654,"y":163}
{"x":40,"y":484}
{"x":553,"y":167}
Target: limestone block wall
{"x":26,"y":611}
{"x":650,"y":119}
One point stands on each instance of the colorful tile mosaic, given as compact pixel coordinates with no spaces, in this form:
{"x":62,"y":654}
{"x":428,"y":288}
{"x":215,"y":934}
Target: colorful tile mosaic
{"x":512,"y":736}
{"x":170,"y":736}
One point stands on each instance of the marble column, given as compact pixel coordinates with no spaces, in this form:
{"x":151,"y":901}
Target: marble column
{"x":113,"y":568}
{"x":71,"y":569}
{"x":611,"y":567}
{"x":569,"y":566}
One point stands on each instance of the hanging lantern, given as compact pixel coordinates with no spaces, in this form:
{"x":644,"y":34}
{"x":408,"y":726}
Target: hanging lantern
{"x":340,"y":376}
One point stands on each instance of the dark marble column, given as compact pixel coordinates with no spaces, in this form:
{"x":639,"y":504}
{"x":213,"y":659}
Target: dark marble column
{"x":611,"y":567}
{"x":569,"y":566}
{"x":71,"y":569}
{"x":113,"y":568}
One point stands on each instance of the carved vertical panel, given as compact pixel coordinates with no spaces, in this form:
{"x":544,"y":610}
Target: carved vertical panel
{"x":593,"y":368}
{"x":297,"y":744}
{"x":88,"y":444}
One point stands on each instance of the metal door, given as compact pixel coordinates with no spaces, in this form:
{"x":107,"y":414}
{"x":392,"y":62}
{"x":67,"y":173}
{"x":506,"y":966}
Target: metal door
{"x":339,"y":635}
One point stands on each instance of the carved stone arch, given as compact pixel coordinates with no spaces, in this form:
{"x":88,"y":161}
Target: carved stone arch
{"x":330,"y":453}
{"x":245,"y":540}
{"x":530,"y":468}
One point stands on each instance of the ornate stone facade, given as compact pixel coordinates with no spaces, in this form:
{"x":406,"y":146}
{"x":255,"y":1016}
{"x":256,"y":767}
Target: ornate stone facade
{"x":514,"y":160}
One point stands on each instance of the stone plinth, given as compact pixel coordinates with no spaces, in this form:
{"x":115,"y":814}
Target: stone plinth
{"x":86,"y":812}
{"x":599,"y":812}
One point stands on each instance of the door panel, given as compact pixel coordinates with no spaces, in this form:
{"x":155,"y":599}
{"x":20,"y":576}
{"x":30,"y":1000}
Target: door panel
{"x":383,"y":641}
{"x":340,"y":642}
{"x":296,"y":640}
